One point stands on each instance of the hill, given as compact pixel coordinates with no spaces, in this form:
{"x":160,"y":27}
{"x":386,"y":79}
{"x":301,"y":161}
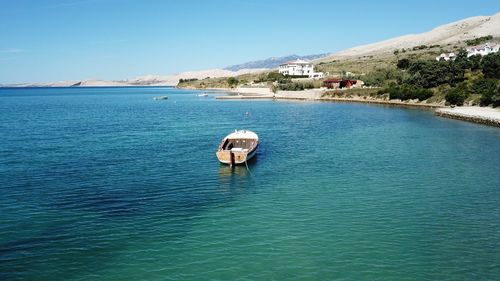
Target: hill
{"x":451,"y":33}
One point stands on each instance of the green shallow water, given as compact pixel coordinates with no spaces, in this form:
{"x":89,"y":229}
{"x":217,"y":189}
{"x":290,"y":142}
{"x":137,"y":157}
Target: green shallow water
{"x":109,"y":184}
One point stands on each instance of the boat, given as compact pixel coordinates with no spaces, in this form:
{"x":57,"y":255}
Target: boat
{"x":161,"y":98}
{"x":203,"y":95}
{"x":238,"y":147}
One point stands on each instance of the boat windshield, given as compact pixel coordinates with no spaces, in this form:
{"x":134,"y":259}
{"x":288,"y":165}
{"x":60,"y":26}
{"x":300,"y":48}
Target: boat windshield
{"x":238,"y":143}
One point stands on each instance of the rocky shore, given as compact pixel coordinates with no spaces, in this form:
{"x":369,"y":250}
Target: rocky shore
{"x":482,"y":115}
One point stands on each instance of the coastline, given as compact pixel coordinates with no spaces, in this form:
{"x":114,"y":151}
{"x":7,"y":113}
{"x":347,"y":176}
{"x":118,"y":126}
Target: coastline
{"x":317,"y":95}
{"x":481,"y":115}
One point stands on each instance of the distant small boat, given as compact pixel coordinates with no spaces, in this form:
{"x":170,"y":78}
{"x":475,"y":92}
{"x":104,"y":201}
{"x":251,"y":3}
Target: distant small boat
{"x":161,"y":98}
{"x":238,"y":147}
{"x":203,"y":95}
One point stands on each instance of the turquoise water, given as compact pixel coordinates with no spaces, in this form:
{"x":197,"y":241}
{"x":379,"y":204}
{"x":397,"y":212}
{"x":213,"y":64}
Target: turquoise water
{"x":109,"y":184}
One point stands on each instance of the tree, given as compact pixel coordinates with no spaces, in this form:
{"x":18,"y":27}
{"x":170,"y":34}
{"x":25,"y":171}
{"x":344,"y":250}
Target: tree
{"x":491,"y":65}
{"x":403,"y":63}
{"x":457,"y":95}
{"x":489,"y":91}
{"x":461,"y":61}
{"x":475,"y":62}
{"x":274,"y":76}
{"x":429,"y":74}
{"x":232,"y":81}
{"x":407,"y":92}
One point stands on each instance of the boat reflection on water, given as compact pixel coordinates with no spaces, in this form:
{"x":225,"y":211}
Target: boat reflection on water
{"x":238,"y":171}
{"x":236,"y":177}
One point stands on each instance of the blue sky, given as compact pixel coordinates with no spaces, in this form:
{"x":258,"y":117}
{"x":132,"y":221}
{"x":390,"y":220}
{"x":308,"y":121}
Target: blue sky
{"x":54,"y":40}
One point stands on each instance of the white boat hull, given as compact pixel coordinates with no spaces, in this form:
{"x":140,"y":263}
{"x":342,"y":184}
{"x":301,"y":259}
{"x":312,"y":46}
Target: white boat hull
{"x":238,"y":147}
{"x":239,"y":160}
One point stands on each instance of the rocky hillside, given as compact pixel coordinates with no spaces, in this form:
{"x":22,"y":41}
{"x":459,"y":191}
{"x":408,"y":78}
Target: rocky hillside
{"x":450,"y":33}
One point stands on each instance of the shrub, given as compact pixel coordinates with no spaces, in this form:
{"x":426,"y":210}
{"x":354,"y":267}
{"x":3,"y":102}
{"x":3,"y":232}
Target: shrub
{"x":491,"y":65}
{"x":422,"y":94}
{"x":407,"y":92}
{"x":187,"y":80}
{"x":420,"y":47}
{"x":492,"y":98}
{"x":274,"y":76}
{"x":429,"y":74}
{"x":461,"y":61}
{"x":483,"y":86}
{"x":403,"y":63}
{"x":380,"y":77}
{"x":457,"y":95}
{"x":475,"y":62}
{"x":479,"y":40}
{"x":295,"y":86}
{"x":232,"y":81}
{"x":489,"y":91}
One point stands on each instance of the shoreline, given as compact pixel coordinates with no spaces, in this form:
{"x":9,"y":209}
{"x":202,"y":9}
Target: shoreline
{"x":481,"y":115}
{"x":315,"y":95}
{"x":475,"y":114}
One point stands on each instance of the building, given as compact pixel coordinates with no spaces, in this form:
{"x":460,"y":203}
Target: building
{"x":446,"y":57}
{"x":482,"y":50}
{"x":299,"y":68}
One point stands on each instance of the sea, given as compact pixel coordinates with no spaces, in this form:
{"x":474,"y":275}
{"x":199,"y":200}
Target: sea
{"x":111,"y":184}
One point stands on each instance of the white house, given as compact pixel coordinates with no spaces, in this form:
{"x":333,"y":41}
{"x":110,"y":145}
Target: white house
{"x":299,"y":68}
{"x":482,"y":50}
{"x":446,"y":57}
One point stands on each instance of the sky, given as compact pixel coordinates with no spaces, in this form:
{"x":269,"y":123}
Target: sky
{"x":56,"y":40}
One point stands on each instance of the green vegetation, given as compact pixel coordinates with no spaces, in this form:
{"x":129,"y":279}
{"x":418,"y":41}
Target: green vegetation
{"x":232,"y":82}
{"x":295,"y":86}
{"x":187,"y":80}
{"x":381,"y":77}
{"x":491,"y":65}
{"x":489,"y":89}
{"x":403,"y":63}
{"x":478,"y":41}
{"x":421,"y":47}
{"x":456,"y":81}
{"x":407,"y":92}
{"x":458,"y":95}
{"x":352,"y":93}
{"x":269,"y":77}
